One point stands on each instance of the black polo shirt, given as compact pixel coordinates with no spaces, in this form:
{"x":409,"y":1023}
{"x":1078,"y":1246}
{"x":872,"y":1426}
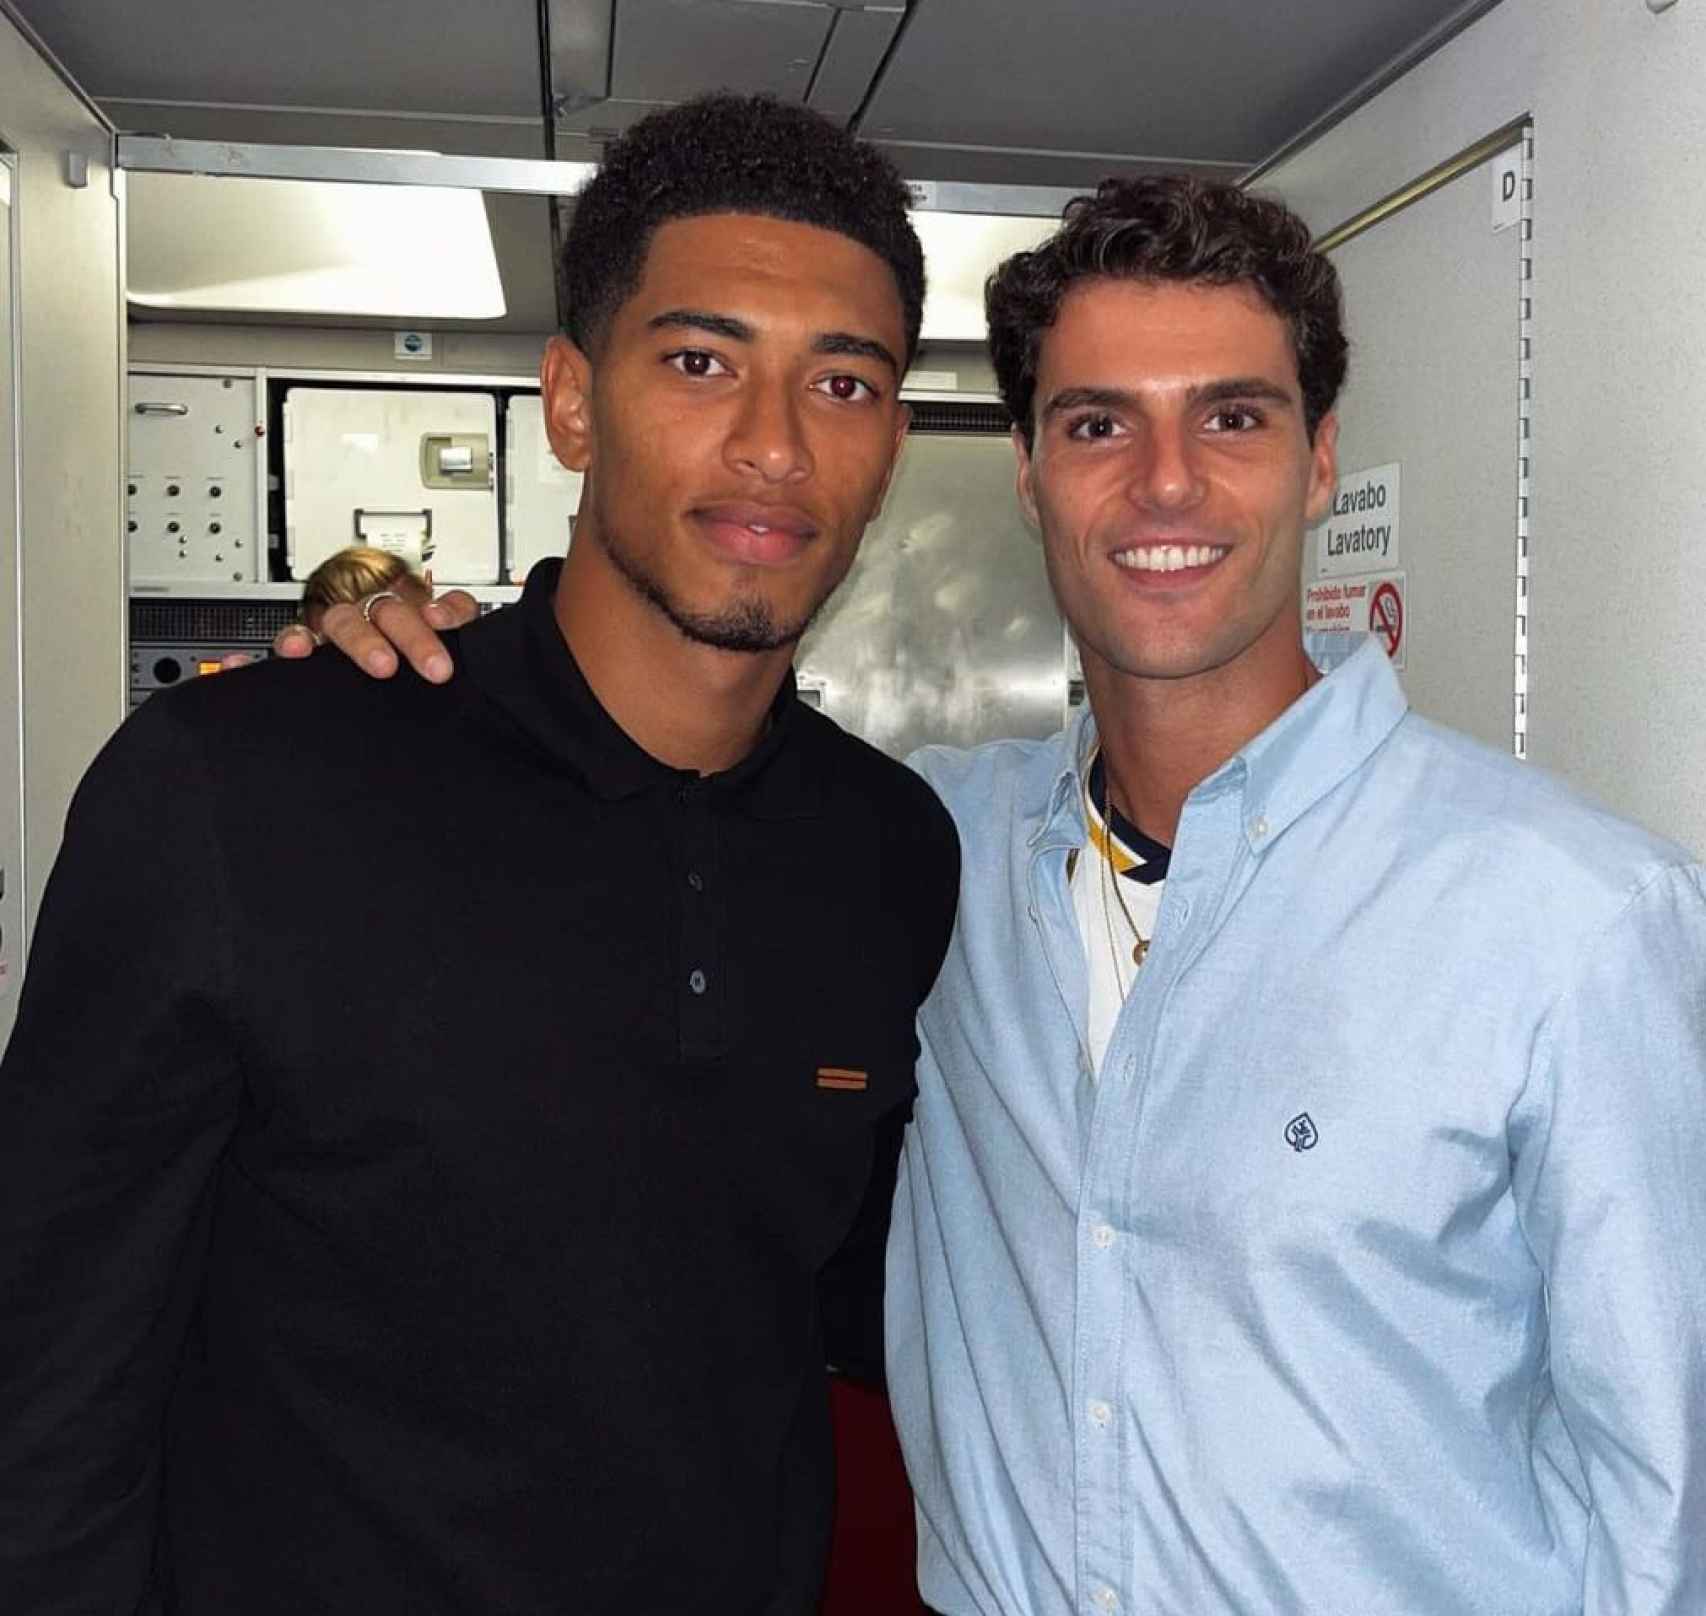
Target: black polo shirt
{"x":429,"y":1127}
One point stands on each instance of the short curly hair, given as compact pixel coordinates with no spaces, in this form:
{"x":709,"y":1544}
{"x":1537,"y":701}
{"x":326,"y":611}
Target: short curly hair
{"x":726,"y":153}
{"x":1170,"y":227}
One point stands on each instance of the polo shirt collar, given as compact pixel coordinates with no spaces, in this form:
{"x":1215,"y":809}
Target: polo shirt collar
{"x":521,"y":661}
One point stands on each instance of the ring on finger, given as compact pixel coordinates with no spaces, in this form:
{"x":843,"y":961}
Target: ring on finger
{"x":370,"y":601}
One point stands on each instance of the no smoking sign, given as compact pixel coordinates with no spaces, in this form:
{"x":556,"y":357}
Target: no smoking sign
{"x":1386,"y":616}
{"x":1337,"y":612}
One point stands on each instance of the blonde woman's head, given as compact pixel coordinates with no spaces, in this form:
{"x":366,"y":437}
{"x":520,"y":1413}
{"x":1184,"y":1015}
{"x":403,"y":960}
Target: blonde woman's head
{"x":356,"y":573}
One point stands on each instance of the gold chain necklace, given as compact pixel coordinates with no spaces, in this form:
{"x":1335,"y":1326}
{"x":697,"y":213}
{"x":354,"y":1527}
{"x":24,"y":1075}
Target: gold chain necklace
{"x":1140,"y":949}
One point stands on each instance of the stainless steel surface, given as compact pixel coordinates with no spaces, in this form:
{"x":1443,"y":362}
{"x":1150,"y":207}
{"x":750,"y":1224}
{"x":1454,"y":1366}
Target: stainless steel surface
{"x":945,"y":629}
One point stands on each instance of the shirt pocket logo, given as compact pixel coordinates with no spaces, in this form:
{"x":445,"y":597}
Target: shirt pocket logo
{"x":1301,"y":1133}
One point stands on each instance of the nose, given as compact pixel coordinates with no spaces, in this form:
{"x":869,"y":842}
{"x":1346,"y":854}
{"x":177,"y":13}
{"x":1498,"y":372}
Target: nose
{"x":767,"y":437}
{"x":1167,"y":476}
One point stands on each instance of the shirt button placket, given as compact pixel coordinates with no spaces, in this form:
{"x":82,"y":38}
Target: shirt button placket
{"x":701,"y":1019}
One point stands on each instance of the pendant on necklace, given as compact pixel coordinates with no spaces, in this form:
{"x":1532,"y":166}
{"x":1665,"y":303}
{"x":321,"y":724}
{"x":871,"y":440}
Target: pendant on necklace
{"x":1140,"y":951}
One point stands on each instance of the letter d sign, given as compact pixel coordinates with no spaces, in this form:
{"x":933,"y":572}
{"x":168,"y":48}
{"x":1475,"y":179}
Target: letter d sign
{"x":1507,"y":188}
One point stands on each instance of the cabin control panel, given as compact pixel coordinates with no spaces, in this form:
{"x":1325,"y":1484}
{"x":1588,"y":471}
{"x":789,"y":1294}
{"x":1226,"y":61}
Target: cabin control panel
{"x":192,"y":515}
{"x":175,"y":640}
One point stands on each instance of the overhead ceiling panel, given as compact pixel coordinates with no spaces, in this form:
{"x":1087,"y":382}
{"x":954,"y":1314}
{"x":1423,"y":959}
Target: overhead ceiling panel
{"x":1218,"y":81}
{"x":580,"y":52}
{"x":396,"y":55}
{"x":851,"y":58}
{"x":669,"y":50}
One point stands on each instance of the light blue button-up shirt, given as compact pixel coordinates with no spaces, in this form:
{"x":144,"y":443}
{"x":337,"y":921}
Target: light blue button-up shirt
{"x":1368,"y":1276}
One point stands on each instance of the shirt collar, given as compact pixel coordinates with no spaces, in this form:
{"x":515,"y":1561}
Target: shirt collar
{"x":1062,"y":821}
{"x":1325,"y":735}
{"x":521,"y":662}
{"x":1315,"y":743}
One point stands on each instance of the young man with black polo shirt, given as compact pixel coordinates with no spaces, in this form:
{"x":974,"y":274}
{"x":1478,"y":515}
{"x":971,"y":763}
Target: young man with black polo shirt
{"x":480,"y":1248}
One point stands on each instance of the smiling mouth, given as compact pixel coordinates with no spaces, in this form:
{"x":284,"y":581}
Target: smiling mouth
{"x":1170,"y":557}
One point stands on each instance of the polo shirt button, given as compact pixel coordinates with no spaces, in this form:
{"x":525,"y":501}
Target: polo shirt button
{"x":1101,"y":1416}
{"x":697,"y":981}
{"x":1105,"y":1599}
{"x":1258,"y":827}
{"x":1103,"y":1235}
{"x":695,"y":880}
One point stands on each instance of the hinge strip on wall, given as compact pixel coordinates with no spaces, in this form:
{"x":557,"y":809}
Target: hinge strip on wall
{"x":1525,"y":437}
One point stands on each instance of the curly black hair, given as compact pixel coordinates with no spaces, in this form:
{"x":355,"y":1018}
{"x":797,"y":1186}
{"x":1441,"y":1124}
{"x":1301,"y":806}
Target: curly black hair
{"x":726,"y":153}
{"x":1170,"y":227}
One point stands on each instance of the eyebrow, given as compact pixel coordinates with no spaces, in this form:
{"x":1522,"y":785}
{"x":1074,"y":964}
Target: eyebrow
{"x":855,"y":347}
{"x":1215,"y":392}
{"x":846,"y":343}
{"x":719,"y":325}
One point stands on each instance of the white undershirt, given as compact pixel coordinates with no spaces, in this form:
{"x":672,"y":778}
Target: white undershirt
{"x":1107,"y":934}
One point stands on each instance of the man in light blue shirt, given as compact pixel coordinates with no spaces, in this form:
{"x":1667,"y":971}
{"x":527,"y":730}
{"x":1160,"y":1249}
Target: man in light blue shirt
{"x":1305,"y":1203}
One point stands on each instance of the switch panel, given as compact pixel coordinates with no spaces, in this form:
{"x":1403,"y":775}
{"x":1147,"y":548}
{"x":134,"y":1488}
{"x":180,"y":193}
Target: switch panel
{"x":191,"y":513}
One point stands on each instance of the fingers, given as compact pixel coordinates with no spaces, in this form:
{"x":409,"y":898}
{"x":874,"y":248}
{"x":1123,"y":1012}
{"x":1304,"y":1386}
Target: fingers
{"x":452,"y":610}
{"x":294,"y":640}
{"x":393,"y":622}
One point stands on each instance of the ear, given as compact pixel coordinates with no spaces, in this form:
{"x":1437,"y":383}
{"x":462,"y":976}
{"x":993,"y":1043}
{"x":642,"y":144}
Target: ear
{"x":565,"y":385}
{"x":1323,"y":468}
{"x":1027,"y":476}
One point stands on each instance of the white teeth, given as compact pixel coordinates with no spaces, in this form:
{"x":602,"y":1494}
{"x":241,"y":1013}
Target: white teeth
{"x":758,"y":527}
{"x":1169,"y":557}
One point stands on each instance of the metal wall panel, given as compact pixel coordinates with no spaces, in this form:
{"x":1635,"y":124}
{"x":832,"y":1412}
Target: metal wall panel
{"x":945,"y":629}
